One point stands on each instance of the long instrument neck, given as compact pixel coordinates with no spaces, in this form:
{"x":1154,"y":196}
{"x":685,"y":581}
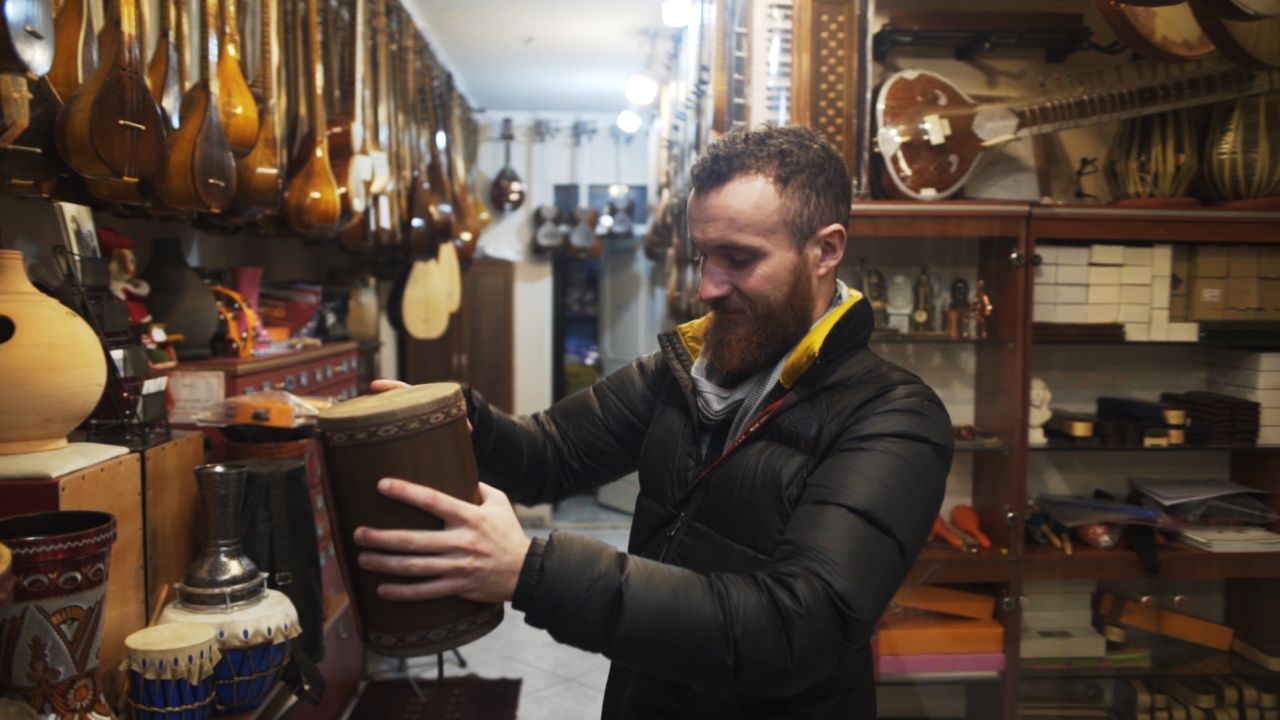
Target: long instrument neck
{"x":124,"y":22}
{"x":209,"y":45}
{"x":267,"y":57}
{"x":318,"y":120}
{"x":1198,"y":88}
{"x":382,"y":109}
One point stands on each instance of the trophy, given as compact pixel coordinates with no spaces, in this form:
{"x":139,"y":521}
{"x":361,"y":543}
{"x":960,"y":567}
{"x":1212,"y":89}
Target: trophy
{"x":957,"y":317}
{"x":981,"y":310}
{"x":922,"y":311}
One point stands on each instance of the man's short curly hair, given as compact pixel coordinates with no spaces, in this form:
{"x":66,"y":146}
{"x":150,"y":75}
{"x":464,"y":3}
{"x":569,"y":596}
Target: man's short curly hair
{"x":807,"y":171}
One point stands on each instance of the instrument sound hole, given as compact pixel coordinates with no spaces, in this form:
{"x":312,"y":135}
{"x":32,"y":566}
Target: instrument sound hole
{"x":7,"y":329}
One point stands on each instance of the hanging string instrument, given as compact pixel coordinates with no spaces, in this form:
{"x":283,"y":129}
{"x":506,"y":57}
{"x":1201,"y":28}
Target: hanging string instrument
{"x":165,"y":74}
{"x":346,"y":129}
{"x":931,"y":135}
{"x":236,"y":105}
{"x":506,"y":193}
{"x":429,"y":217}
{"x":1246,"y":31}
{"x":29,"y":156}
{"x":258,"y":178}
{"x":312,"y":206}
{"x":74,"y":48}
{"x":26,"y":37}
{"x":383,"y":190}
{"x":465,"y":207}
{"x":111,"y":127}
{"x":199,"y":173}
{"x":1164,"y":31}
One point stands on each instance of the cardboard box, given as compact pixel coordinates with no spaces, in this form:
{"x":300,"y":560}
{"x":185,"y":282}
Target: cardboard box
{"x":1270,"y":294}
{"x":1073,"y":313}
{"x":1269,"y":262}
{"x":1137,"y":332}
{"x":1046,"y":293}
{"x":1244,"y":294}
{"x":1136,"y":295}
{"x":1047,"y":274}
{"x":1159,"y":324}
{"x":1208,"y":298}
{"x":1073,"y":274}
{"x":1161,"y":291}
{"x":1073,"y":294}
{"x":1211,"y":261}
{"x":1243,"y":262}
{"x":1181,"y":256}
{"x":1073,"y":255}
{"x":1135,"y":314}
{"x":1048,"y":254}
{"x":1135,"y":275}
{"x":1104,"y":274}
{"x":1184,"y":332}
{"x":1162,"y":260}
{"x":1103,"y":314}
{"x":1138,"y":255}
{"x":1104,"y":294}
{"x":1242,"y":314}
{"x":1179,"y":307}
{"x":1103,"y":254}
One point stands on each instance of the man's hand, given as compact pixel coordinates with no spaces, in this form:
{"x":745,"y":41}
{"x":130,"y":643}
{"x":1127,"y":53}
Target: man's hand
{"x":477,"y":555}
{"x":383,"y":385}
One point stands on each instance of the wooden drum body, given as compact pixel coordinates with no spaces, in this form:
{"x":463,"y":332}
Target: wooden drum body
{"x":419,"y":434}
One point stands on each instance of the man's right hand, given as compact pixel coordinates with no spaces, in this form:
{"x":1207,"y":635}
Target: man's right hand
{"x":383,"y":385}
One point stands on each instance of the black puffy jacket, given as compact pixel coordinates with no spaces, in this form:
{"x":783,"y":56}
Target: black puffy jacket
{"x":750,"y":591}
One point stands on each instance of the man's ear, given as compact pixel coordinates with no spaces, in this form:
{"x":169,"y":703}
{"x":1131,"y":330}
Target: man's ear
{"x":828,"y":245}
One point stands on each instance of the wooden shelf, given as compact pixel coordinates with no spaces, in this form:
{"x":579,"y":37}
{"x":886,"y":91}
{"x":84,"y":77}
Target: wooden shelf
{"x":1177,"y":562}
{"x":1197,"y":225}
{"x":938,"y":340}
{"x":945,"y":565}
{"x":1170,"y":449}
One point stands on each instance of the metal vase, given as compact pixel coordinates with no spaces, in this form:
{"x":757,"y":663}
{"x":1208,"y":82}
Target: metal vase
{"x":223,"y":576}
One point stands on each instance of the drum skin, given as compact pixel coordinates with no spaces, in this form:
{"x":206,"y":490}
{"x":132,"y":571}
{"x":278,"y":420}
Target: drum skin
{"x":418,"y":434}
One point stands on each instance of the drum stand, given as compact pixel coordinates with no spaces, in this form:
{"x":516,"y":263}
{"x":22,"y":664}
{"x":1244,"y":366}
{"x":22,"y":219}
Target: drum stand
{"x":413,"y":682}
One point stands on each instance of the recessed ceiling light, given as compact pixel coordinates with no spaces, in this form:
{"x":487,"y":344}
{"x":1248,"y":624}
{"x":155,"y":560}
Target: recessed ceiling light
{"x":641,"y":89}
{"x":677,"y":13}
{"x":629,"y":121}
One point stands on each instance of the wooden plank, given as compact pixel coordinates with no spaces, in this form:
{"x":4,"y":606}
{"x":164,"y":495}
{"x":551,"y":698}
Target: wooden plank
{"x":115,"y":486}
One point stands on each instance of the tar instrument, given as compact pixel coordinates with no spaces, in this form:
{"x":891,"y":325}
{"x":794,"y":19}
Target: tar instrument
{"x":1246,"y":31}
{"x":931,"y":135}
{"x":29,"y":160}
{"x":377,"y":141}
{"x":427,"y":220}
{"x":258,"y":179}
{"x":74,"y":47}
{"x":312,"y":205}
{"x":235,"y":101}
{"x":165,"y":74}
{"x":26,"y":36}
{"x":466,"y":208}
{"x":344,"y":41}
{"x":200,"y":172}
{"x":419,"y":434}
{"x":1158,"y":31}
{"x":111,"y":127}
{"x":507,"y":191}
{"x":171,"y":670}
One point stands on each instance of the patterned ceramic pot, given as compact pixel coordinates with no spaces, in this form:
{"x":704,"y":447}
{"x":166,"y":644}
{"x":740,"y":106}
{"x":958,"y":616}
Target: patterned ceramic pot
{"x":51,"y":634}
{"x":6,"y":574}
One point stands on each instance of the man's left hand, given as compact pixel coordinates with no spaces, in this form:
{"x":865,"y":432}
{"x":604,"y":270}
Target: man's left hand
{"x":477,"y":555}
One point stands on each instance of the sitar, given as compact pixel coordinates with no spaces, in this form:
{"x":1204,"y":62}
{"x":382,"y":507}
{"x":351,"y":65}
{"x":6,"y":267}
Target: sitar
{"x":931,"y":135}
{"x":235,"y":100}
{"x":164,"y":71}
{"x":258,"y":178}
{"x":312,"y":206}
{"x":26,"y":37}
{"x":199,"y":172}
{"x":111,"y":127}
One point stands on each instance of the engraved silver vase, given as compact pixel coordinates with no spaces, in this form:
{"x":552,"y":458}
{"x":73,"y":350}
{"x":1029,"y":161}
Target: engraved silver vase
{"x":223,"y":576}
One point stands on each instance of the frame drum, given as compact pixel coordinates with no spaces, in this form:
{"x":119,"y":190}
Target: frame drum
{"x":419,"y":434}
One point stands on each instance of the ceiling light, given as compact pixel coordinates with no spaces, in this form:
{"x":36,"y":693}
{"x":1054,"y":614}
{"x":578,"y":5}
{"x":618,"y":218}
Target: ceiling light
{"x":629,"y":121}
{"x":641,"y":89}
{"x":677,"y":13}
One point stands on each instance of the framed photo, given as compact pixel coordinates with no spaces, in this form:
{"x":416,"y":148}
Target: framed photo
{"x":79,"y":236}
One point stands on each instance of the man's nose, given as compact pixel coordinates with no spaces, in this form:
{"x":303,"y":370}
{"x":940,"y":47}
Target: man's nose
{"x":713,"y":284}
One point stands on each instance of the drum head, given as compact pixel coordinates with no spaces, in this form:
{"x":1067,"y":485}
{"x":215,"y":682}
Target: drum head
{"x":390,"y":406}
{"x":1168,"y":33}
{"x":171,"y":638}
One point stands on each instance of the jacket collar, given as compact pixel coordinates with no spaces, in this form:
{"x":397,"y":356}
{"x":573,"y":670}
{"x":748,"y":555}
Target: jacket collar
{"x":846,"y":327}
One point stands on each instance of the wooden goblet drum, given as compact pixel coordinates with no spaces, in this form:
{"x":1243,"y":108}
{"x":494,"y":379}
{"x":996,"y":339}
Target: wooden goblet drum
{"x":419,"y":434}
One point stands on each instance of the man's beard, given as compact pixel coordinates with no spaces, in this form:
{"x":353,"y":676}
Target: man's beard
{"x":742,"y":344}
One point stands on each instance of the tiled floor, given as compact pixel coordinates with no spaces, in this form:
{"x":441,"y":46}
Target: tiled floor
{"x":558,"y":681}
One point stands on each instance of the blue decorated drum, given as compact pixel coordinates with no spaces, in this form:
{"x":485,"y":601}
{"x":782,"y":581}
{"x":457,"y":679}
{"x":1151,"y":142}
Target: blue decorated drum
{"x":254,"y":641}
{"x":171,"y":671}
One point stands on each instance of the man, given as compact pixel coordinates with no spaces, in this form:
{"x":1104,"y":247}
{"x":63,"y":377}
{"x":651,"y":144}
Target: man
{"x":788,"y":476}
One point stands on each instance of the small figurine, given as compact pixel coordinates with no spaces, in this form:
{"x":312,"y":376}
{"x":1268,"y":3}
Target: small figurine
{"x":957,"y":317}
{"x":1040,"y":412}
{"x":922,"y":311}
{"x":900,"y":302}
{"x":122,"y":264}
{"x":980,"y":308}
{"x":876,"y":294}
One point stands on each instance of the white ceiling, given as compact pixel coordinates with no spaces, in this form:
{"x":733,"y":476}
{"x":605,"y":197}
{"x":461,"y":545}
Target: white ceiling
{"x":562,"y":55}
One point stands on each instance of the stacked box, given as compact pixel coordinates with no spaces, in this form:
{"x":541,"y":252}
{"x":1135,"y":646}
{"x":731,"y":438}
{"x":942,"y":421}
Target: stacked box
{"x":1254,"y":376}
{"x":1106,"y":264}
{"x":1061,"y":284}
{"x":1136,"y":276}
{"x":1269,"y":276}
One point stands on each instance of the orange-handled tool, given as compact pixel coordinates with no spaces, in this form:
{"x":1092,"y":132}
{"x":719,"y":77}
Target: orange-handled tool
{"x":965,"y":518}
{"x":941,"y":530}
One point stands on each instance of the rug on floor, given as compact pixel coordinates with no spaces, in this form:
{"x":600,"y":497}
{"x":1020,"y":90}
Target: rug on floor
{"x":457,"y":698}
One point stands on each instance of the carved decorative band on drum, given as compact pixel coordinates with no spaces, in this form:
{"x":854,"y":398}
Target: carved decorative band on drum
{"x":171,"y":708}
{"x":41,"y":549}
{"x":406,"y":426}
{"x":396,"y":640}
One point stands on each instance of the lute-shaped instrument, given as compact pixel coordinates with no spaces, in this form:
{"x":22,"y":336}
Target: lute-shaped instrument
{"x":164,"y":71}
{"x":931,"y":135}
{"x":428,"y":216}
{"x":74,"y":53}
{"x":345,"y":40}
{"x":466,"y":211}
{"x":235,"y":100}
{"x":312,"y":206}
{"x":29,"y":161}
{"x":383,"y":188}
{"x":200,"y":172}
{"x":26,"y":37}
{"x":258,"y":178}
{"x":506,"y":193}
{"x":111,"y":127}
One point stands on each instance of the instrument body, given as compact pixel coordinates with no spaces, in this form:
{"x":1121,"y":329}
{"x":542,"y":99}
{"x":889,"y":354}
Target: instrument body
{"x":1241,"y":154}
{"x":29,"y":162}
{"x":345,"y":38}
{"x":259,"y":181}
{"x":199,"y":173}
{"x":419,"y":434}
{"x":73,"y":53}
{"x":312,"y":205}
{"x":165,"y":74}
{"x":1167,"y":32}
{"x":236,"y":104}
{"x":26,"y":37}
{"x":171,"y":671}
{"x":428,"y":220}
{"x":1246,"y":31}
{"x":111,"y":127}
{"x":507,"y":191}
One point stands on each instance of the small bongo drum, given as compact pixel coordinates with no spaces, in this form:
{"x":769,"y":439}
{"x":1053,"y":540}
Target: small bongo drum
{"x":171,"y":671}
{"x":419,"y":434}
{"x":254,"y":642}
